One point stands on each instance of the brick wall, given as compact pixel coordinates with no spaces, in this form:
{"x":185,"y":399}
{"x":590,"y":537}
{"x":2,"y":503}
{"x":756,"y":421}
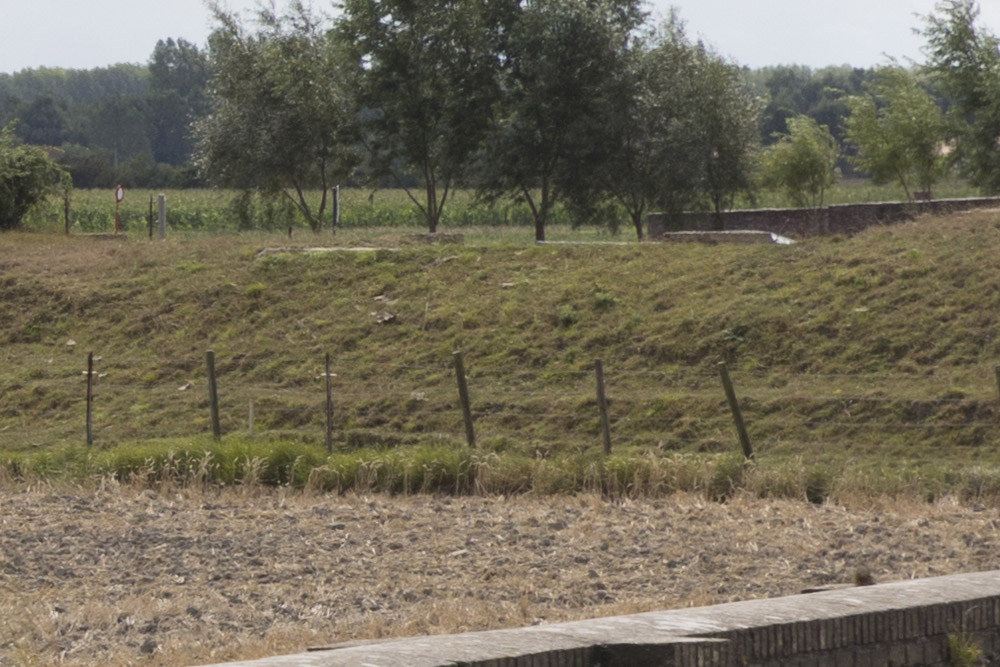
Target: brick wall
{"x":801,"y":223}
{"x":902,"y":623}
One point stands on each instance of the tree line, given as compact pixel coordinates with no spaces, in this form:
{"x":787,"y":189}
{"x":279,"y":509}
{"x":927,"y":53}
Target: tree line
{"x":125,"y":123}
{"x":580,"y":103}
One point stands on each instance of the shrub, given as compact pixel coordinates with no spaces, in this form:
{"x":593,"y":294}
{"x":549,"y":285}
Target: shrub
{"x":27,"y":175}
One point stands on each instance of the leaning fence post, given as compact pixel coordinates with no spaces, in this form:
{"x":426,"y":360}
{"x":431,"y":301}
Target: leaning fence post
{"x":602,"y":406}
{"x":213,"y":394}
{"x":463,"y":395}
{"x":329,"y":408}
{"x":734,"y":407}
{"x":90,"y":397}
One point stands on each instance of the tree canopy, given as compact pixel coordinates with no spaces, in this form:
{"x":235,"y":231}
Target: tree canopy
{"x":964,"y":59}
{"x":898,"y":131}
{"x":685,"y":128}
{"x":282,"y":113}
{"x":427,"y":81}
{"x":802,"y":162}
{"x":550,"y":128}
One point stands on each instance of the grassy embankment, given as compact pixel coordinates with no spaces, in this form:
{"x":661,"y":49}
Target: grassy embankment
{"x":864,"y":365}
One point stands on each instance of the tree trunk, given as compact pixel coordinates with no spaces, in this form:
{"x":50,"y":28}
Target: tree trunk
{"x":430,"y":188}
{"x":717,"y":224}
{"x":637,"y":223}
{"x":542,"y":213}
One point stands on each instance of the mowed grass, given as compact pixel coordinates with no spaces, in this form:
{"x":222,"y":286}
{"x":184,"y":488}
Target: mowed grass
{"x":863,"y":364}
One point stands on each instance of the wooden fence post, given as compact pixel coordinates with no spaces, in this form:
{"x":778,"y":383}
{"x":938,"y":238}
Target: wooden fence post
{"x":336,"y":209}
{"x":213,"y":394}
{"x":734,"y":407}
{"x":90,"y":398}
{"x":329,"y":408}
{"x":463,"y":395}
{"x":996,"y":371}
{"x":161,"y":203}
{"x":149,"y":220}
{"x":602,"y":406}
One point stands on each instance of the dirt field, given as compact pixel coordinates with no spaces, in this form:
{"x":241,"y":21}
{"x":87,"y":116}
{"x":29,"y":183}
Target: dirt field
{"x":123,"y":576}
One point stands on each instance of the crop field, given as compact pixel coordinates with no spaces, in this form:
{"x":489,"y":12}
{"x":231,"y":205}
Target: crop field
{"x":220,"y":211}
{"x":117,"y":575}
{"x":226,"y":211}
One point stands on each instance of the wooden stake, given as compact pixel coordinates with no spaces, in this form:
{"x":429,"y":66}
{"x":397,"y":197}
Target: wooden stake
{"x":602,"y":406}
{"x":161,"y":202}
{"x":329,"y":408}
{"x":213,"y":394}
{"x":90,"y":398}
{"x":463,"y":395}
{"x":336,"y":208}
{"x":734,"y":407}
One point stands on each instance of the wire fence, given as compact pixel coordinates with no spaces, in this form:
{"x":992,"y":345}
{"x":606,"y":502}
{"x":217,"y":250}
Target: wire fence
{"x":361,"y":403}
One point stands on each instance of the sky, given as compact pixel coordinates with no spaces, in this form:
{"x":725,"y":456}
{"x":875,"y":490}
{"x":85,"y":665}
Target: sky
{"x":83,"y":34}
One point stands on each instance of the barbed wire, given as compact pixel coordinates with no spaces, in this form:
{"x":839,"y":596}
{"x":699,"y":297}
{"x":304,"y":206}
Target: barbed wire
{"x":503,"y":403}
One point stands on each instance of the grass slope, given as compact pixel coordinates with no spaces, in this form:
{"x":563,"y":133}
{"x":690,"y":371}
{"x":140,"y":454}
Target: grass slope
{"x":861,"y":363}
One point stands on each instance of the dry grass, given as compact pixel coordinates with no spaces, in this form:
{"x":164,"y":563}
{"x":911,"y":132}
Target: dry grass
{"x":125,"y":575}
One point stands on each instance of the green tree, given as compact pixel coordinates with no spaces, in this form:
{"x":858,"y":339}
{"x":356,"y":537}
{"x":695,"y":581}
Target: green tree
{"x":897,"y":130}
{"x":282,"y":109}
{"x":793,"y":90}
{"x":119,"y":124}
{"x":728,"y":135}
{"x":42,"y":122}
{"x":802,"y":162}
{"x":428,"y":81}
{"x":27,"y":175}
{"x":550,"y":131}
{"x":685,"y":126}
{"x":652,"y":124}
{"x":179,"y":74}
{"x":964,"y":59}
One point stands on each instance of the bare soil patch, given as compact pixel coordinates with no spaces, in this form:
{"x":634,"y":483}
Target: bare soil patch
{"x":125,"y":576}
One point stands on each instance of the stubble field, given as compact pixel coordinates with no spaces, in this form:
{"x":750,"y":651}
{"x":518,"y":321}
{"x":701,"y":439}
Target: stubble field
{"x":127,"y":575}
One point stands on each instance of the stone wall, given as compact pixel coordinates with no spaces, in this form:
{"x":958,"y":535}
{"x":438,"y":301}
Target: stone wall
{"x":801,"y":223}
{"x":902,"y":623}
